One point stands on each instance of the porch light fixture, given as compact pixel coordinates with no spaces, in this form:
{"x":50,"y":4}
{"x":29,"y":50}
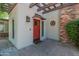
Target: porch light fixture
{"x":27,"y":19}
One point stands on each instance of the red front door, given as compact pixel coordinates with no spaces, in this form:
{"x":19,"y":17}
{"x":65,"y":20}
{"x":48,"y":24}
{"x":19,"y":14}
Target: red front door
{"x":36,"y":30}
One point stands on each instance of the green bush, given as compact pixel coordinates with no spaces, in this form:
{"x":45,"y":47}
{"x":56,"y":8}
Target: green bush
{"x":73,"y":31}
{"x":4,"y":15}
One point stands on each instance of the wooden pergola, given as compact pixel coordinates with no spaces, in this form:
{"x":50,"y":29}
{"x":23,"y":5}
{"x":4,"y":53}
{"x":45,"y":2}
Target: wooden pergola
{"x":7,"y":6}
{"x":48,"y":7}
{"x":45,"y":7}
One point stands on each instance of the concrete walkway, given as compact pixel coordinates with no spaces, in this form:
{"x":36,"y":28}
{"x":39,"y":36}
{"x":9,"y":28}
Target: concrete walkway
{"x":4,"y":43}
{"x":48,"y":47}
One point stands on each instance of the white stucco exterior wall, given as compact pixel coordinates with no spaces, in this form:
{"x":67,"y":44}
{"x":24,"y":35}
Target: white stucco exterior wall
{"x":52,"y":32}
{"x":13,"y":16}
{"x":24,"y":36}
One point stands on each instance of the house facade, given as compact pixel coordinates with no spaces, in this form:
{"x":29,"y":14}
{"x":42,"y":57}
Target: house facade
{"x":27,"y":25}
{"x":21,"y":31}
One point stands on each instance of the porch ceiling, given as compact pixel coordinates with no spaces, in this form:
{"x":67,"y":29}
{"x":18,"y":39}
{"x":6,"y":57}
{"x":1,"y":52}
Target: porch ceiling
{"x":48,"y":7}
{"x":7,"y":7}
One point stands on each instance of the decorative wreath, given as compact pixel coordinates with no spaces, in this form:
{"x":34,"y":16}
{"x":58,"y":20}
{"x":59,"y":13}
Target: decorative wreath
{"x":52,"y":23}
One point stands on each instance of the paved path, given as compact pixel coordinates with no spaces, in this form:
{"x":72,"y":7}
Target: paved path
{"x":48,"y":47}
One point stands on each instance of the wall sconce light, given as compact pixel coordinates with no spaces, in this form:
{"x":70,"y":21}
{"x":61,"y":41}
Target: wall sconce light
{"x":27,"y":19}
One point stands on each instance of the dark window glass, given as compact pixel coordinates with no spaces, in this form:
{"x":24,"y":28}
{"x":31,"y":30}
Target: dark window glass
{"x":42,"y":28}
{"x":12,"y":28}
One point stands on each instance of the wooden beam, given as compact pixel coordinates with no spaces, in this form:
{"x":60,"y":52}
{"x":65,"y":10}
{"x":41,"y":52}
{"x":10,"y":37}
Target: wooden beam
{"x":61,"y":4}
{"x":49,"y":8}
{"x":54,"y":6}
{"x":32,"y":4}
{"x":64,"y":5}
{"x":46,"y":6}
{"x":38,"y":5}
{"x":12,"y":7}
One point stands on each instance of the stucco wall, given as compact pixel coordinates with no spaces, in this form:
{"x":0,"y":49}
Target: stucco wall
{"x":52,"y":32}
{"x":13,"y":16}
{"x":24,"y":36}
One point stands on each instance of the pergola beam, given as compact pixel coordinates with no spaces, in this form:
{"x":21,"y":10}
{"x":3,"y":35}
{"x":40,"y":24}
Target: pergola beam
{"x":12,"y":8}
{"x":64,"y":5}
{"x":8,"y":6}
{"x":32,"y":4}
{"x":46,"y":6}
{"x":38,"y":5}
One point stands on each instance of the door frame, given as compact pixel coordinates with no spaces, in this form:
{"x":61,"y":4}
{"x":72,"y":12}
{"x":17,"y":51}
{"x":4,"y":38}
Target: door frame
{"x":33,"y":27}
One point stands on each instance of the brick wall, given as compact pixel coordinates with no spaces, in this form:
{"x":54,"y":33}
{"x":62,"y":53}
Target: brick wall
{"x":67,"y":14}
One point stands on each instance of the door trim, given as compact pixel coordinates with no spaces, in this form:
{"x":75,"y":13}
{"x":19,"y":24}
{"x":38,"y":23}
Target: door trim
{"x":37,"y":40}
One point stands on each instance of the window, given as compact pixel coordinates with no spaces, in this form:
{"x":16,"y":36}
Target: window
{"x":42,"y":28}
{"x":12,"y":28}
{"x":1,"y":27}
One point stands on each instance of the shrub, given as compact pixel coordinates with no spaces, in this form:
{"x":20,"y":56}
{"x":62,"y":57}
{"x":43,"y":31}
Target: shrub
{"x":73,"y":31}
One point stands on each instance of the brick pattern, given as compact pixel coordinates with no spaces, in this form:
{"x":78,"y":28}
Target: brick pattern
{"x":67,"y":14}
